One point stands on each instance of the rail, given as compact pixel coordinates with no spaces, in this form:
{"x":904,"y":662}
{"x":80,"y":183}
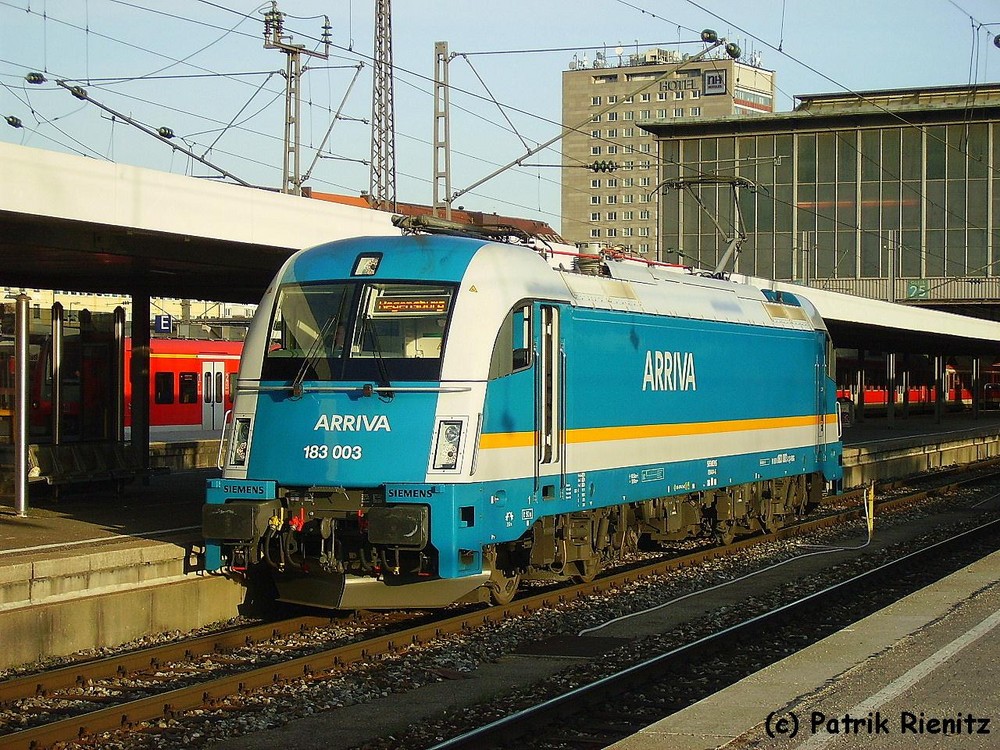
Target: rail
{"x":578,"y":700}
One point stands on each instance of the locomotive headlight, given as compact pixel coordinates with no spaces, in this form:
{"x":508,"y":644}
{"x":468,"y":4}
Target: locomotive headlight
{"x":449,"y":438}
{"x":241,"y":441}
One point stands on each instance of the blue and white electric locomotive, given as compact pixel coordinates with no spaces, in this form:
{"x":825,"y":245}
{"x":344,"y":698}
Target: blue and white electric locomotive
{"x":426,"y":419}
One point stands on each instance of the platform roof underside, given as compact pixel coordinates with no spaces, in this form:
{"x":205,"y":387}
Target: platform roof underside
{"x":76,"y":224}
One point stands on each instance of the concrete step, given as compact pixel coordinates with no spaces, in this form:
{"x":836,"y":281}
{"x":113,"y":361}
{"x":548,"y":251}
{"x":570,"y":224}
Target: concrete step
{"x":73,"y":600}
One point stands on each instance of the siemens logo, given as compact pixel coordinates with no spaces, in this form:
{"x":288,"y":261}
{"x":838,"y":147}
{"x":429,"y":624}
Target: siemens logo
{"x":411,"y":493}
{"x":243,"y":489}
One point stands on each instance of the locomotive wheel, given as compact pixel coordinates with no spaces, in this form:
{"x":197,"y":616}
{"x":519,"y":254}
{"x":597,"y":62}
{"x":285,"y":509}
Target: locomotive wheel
{"x":502,"y":588}
{"x":587,"y":570}
{"x":502,"y":584}
{"x":725,"y":532}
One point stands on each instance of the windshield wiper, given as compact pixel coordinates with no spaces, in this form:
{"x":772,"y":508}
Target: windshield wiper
{"x":313,"y":355}
{"x":383,"y":371}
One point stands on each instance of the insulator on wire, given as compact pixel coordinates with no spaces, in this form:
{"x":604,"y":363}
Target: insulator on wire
{"x":603,"y":166}
{"x":14,"y":121}
{"x":165,"y":132}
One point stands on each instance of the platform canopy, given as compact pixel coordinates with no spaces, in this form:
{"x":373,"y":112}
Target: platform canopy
{"x":78,"y":224}
{"x":876,"y":325}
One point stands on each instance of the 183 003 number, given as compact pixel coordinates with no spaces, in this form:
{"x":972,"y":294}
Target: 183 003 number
{"x":349,"y":452}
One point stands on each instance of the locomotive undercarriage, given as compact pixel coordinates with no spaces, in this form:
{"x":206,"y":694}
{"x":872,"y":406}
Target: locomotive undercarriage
{"x":328,"y":539}
{"x":337,"y":531}
{"x":577,"y":546}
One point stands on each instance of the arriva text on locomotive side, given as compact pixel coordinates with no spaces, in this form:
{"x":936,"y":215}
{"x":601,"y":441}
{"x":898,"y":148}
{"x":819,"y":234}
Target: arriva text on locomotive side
{"x":669,"y":371}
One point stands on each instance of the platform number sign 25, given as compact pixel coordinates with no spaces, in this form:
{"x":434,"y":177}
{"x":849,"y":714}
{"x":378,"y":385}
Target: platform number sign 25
{"x":917,"y":289}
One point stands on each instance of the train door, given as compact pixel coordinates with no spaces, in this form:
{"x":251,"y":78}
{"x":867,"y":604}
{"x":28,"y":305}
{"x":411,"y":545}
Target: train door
{"x":825,"y":364}
{"x":820,"y":409}
{"x":549,"y":401}
{"x":213,"y":394}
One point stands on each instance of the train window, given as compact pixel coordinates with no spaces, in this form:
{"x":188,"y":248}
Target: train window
{"x":309,"y":328}
{"x":163,"y":388}
{"x":403,"y":321}
{"x":400,"y":330}
{"x":359,"y":331}
{"x":512,"y":350}
{"x":207,"y":389}
{"x":218,"y":387}
{"x":188,"y":388}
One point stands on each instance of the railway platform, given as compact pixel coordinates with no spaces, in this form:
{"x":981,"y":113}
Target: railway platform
{"x":96,"y":568}
{"x":93,"y":569}
{"x":919,"y":673}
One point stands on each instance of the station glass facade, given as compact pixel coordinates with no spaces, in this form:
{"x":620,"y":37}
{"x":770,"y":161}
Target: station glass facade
{"x":837,"y":183}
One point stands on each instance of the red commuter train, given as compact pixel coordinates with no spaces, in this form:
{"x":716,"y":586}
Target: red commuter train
{"x":190,"y":382}
{"x":920,"y":384}
{"x":190,"y":386}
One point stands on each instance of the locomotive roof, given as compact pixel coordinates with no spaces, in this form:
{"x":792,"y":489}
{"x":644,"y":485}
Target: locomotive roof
{"x":501,"y":274}
{"x":419,"y":256}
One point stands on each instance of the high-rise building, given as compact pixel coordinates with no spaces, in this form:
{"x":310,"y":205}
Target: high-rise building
{"x":609,"y":166}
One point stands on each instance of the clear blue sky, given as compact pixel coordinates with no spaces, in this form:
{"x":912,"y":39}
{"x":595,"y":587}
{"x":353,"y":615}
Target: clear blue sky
{"x":834,"y":46}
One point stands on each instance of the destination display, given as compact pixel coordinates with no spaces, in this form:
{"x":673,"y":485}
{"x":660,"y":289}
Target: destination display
{"x":412,"y":304}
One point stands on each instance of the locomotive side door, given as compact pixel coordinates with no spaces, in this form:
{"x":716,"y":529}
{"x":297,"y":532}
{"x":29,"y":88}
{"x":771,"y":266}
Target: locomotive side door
{"x":549,"y":400}
{"x":213,"y":394}
{"x":820,"y":409}
{"x":825,"y":359}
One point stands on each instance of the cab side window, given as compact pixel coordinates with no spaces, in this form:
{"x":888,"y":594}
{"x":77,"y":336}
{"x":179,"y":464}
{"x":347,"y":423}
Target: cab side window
{"x":512,"y":350}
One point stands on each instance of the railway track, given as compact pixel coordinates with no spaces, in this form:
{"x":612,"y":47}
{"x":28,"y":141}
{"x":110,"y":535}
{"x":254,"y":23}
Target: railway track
{"x":590,"y":715}
{"x":158,"y":667}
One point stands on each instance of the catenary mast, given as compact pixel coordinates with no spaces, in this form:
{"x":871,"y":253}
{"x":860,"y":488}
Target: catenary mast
{"x":382,"y":188}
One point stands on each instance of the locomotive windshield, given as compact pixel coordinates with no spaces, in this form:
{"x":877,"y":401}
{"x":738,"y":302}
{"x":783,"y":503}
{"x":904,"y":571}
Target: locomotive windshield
{"x":358,"y":331}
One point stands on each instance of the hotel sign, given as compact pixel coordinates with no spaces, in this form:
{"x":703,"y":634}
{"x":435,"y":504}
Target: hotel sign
{"x":714,"y":82}
{"x":678,"y":84}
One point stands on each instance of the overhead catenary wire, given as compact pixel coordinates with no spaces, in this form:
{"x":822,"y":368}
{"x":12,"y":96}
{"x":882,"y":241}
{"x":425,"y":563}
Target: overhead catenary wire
{"x":245,"y":16}
{"x":81,"y":94}
{"x":242,"y":15}
{"x":250,"y":16}
{"x":494,"y":100}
